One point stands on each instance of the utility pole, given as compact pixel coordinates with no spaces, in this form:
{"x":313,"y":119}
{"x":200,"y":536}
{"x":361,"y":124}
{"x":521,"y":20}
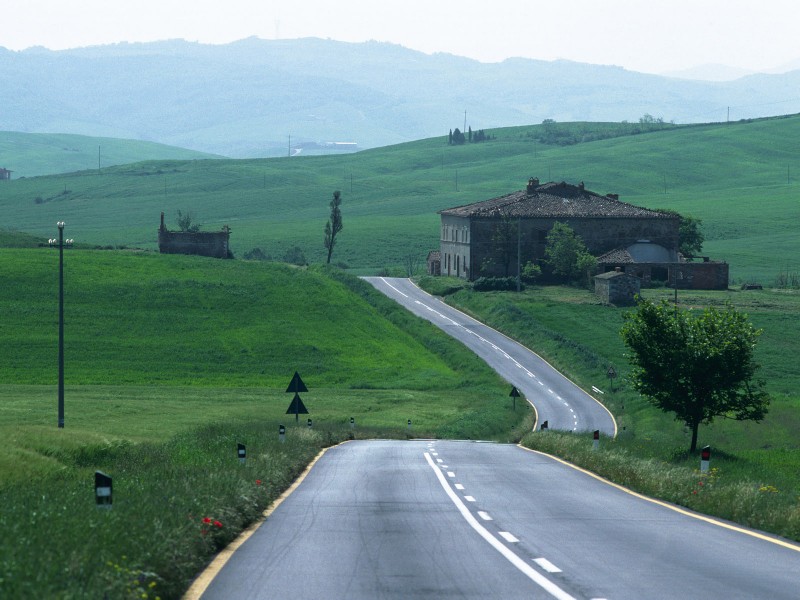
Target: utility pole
{"x":465,"y":122}
{"x":519,"y":254}
{"x":290,"y":145}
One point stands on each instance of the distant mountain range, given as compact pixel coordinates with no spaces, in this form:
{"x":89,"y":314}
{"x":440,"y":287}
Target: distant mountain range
{"x":274,"y":97}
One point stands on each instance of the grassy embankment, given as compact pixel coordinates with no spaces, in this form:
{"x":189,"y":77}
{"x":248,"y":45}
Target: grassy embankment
{"x":756,"y":466}
{"x":170,"y":362}
{"x":740,"y":178}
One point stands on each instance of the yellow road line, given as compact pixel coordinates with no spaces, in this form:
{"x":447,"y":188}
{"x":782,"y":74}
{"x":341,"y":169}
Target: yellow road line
{"x":201,"y":583}
{"x":672,"y":507}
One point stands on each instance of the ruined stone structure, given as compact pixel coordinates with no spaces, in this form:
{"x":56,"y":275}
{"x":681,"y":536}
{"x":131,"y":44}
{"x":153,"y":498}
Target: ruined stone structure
{"x":201,"y":243}
{"x":5,"y":174}
{"x":469,"y":234}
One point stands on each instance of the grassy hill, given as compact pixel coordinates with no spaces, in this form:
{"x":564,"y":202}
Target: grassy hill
{"x":32,"y":154}
{"x":740,"y":178}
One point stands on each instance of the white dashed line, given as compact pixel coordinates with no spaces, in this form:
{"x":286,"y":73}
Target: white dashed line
{"x":484,"y":515}
{"x":459,"y":486}
{"x":547,"y":565}
{"x":508,"y":537}
{"x":469,"y":498}
{"x":451,"y":474}
{"x":439,"y":460}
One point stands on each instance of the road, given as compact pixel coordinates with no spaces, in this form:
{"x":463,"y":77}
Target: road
{"x":557,"y":400}
{"x":447,"y":519}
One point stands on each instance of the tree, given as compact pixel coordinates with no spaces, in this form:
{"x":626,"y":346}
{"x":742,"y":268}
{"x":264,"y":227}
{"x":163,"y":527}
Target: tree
{"x":186,"y":223}
{"x":566,"y":254}
{"x":458,"y":137}
{"x":698,"y":367}
{"x":689,"y":233}
{"x":334,"y":224}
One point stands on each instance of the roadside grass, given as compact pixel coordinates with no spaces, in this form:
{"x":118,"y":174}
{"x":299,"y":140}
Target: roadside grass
{"x":170,"y":361}
{"x":569,"y":328}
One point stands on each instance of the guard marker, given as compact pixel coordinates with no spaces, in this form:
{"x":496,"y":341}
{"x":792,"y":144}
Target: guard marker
{"x":596,"y":441}
{"x":102,"y":490}
{"x":241,"y":452}
{"x":705,"y":459}
{"x":281,"y":433}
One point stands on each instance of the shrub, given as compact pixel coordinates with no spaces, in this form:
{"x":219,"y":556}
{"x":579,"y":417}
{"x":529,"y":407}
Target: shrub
{"x":486,"y":284}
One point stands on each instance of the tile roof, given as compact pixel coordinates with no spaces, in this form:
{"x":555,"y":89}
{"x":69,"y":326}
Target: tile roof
{"x":554,"y":200}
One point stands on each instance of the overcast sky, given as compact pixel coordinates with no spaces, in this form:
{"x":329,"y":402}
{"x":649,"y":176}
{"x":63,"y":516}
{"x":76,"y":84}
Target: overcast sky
{"x":653,"y":36}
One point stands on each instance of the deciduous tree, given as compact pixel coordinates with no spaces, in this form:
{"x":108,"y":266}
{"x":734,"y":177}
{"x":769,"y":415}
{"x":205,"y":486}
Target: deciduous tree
{"x":698,"y":366}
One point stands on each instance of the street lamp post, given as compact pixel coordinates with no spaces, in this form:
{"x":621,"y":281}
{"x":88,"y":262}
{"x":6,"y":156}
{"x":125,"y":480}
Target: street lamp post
{"x":60,"y":243}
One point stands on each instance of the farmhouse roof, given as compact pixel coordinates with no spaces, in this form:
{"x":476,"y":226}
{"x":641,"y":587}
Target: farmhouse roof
{"x":554,"y":200}
{"x":642,"y":251}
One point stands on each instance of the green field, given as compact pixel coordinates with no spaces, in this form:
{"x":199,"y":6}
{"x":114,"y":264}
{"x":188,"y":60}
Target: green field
{"x":170,"y":361}
{"x":739,"y":178}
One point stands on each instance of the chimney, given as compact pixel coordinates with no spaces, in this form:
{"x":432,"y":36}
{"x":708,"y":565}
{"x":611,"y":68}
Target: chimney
{"x":533,"y":183}
{"x":162,"y":228}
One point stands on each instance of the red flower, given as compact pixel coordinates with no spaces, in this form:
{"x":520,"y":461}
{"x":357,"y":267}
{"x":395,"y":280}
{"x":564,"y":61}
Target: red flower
{"x":206,"y":520}
{"x":217,"y":524}
{"x":258,"y":482}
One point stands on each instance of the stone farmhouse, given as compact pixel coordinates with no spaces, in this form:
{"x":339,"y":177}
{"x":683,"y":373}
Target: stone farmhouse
{"x":481,"y":239}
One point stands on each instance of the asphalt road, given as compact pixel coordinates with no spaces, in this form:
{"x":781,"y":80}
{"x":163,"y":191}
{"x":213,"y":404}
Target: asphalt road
{"x":445,"y":519}
{"x":557,"y":400}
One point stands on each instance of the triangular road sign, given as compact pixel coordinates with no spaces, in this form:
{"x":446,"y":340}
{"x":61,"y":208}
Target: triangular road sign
{"x":296,"y":384}
{"x":514,"y":392}
{"x":297,"y":407}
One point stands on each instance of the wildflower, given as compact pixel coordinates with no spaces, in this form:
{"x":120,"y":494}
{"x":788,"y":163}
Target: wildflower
{"x":217,"y":524}
{"x":206,"y":520}
{"x":258,"y":482}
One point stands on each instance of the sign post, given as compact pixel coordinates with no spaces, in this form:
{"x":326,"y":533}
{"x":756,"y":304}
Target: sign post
{"x":297,"y":407}
{"x":241,"y":452}
{"x":611,"y":374}
{"x":596,"y":441}
{"x":514,"y":394}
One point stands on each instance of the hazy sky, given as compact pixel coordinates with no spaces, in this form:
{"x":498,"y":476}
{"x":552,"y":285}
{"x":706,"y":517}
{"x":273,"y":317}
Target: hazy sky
{"x":643,"y":35}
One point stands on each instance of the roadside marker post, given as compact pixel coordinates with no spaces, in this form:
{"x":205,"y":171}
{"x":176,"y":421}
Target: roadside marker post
{"x":611,"y":374}
{"x":282,"y":433}
{"x":241,"y":452}
{"x":309,"y":423}
{"x":596,"y":441}
{"x":102,"y":490}
{"x":409,"y":423}
{"x":544,"y":426}
{"x":705,"y":459}
{"x":352,"y":423}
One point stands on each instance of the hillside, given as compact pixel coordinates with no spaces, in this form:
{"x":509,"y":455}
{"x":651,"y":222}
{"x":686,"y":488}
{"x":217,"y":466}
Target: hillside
{"x":739,"y":178}
{"x":32,"y":154}
{"x":254,"y":97}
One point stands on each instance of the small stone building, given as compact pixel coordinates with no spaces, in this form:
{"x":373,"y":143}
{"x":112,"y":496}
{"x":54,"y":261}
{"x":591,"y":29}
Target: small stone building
{"x":484,"y":239}
{"x":5,"y":174}
{"x":201,"y":243}
{"x":617,"y":288}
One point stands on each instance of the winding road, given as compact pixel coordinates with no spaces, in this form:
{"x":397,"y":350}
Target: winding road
{"x":557,"y":400}
{"x":455,"y":519}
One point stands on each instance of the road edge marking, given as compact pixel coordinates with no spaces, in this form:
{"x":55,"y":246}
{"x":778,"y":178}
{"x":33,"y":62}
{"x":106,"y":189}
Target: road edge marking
{"x":610,"y":414}
{"x":673,"y":507}
{"x":532,"y":574}
{"x":207,"y":575}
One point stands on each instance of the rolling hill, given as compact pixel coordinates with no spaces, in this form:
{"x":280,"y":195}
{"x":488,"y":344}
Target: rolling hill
{"x":32,"y":154}
{"x":739,"y":178}
{"x":254,"y":97}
